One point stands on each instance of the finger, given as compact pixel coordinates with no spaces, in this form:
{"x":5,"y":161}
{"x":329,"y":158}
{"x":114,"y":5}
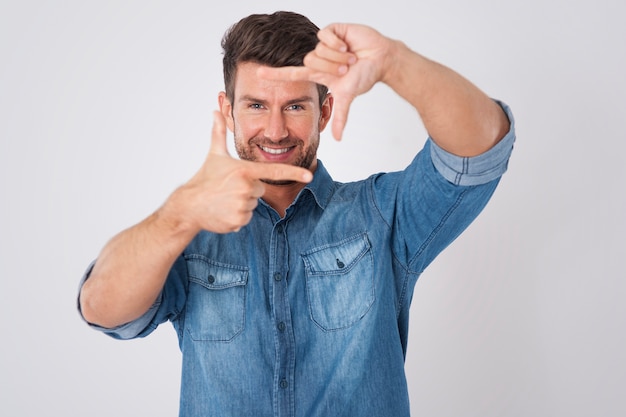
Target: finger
{"x":257,"y":191}
{"x":324,"y":51}
{"x":279,"y":172}
{"x":249,"y":205}
{"x":218,"y":135}
{"x":328,"y":61}
{"x":340,"y":118}
{"x":333,"y":35}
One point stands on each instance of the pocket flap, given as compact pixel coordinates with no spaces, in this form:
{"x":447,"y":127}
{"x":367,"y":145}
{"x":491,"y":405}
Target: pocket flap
{"x":215,"y":275}
{"x":336,"y":258}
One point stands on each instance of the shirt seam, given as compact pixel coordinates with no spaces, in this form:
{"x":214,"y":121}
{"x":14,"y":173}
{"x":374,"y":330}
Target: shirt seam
{"x":405,"y":268}
{"x":434,"y":233}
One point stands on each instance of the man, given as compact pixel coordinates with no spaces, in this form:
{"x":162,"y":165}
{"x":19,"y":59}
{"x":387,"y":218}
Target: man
{"x":290,"y":292}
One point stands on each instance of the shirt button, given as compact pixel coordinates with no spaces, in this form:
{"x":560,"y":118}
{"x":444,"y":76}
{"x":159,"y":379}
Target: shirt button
{"x":282,"y":326}
{"x":284,"y":384}
{"x":279,"y":228}
{"x":211,"y":279}
{"x":277,"y":276}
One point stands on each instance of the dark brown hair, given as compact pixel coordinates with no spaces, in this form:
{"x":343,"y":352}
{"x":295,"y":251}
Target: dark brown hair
{"x":276,"y":40}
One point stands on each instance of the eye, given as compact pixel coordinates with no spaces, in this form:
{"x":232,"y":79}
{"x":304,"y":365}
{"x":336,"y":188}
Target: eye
{"x":295,"y":107}
{"x":255,"y":106}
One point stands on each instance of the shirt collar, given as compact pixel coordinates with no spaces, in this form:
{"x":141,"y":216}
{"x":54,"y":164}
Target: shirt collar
{"x":321,"y":187}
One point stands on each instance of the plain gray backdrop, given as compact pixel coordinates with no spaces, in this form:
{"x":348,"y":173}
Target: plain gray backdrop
{"x":105,"y":108}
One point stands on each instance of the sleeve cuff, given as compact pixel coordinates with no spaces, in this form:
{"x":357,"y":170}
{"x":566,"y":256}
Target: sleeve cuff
{"x":479,"y":169}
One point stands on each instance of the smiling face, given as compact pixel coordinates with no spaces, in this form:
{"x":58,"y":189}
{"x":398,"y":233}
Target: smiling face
{"x":275,"y":121}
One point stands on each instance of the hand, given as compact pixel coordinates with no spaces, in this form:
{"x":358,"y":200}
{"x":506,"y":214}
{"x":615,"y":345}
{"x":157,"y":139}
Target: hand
{"x":349,"y":60}
{"x":223,"y":194}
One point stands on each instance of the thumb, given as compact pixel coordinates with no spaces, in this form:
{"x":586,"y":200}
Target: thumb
{"x":218,"y":135}
{"x":340,"y":118}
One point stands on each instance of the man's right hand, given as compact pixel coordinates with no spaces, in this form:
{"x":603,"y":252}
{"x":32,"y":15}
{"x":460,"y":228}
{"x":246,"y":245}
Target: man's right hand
{"x":219,"y":198}
{"x":224,"y":192}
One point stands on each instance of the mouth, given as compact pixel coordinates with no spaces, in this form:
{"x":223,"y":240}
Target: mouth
{"x":276,"y":151}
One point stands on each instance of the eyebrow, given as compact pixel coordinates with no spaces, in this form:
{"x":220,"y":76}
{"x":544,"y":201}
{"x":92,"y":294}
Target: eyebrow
{"x":302,"y":99}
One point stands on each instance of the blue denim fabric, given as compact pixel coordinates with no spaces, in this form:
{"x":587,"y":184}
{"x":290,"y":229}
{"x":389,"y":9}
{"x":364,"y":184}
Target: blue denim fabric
{"x":307,"y":315}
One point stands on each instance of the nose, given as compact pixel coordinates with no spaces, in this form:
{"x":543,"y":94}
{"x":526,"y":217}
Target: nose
{"x":276,"y":128}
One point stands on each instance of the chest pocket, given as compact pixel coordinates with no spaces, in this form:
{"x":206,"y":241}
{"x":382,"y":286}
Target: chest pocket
{"x":216,"y":300}
{"x":340,"y":282}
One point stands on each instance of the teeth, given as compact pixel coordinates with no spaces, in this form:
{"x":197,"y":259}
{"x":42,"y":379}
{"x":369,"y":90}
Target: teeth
{"x":275,"y":151}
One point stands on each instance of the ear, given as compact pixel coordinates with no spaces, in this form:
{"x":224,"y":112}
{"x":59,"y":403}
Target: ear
{"x":226,"y":108}
{"x":326,"y":111}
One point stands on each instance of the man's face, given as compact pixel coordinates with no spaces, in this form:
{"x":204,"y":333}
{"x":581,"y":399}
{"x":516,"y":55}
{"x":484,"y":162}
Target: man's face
{"x":275,"y":121}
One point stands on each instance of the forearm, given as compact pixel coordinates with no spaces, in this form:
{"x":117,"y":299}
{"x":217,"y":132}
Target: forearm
{"x":457,"y":115}
{"x":132,"y":268}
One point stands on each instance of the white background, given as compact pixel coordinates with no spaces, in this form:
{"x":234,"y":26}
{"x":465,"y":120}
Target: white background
{"x":105,"y":108}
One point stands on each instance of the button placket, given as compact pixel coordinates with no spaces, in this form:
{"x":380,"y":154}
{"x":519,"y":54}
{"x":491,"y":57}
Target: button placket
{"x":285,"y":358}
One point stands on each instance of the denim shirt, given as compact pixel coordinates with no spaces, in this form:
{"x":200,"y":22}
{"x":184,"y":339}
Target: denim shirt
{"x":307,"y":315}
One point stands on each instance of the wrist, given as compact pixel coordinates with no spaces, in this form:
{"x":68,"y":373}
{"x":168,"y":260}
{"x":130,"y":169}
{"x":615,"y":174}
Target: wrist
{"x":393,"y":62}
{"x":173,"y":216}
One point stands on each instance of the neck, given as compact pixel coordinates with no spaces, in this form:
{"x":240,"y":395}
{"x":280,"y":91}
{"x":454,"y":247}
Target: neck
{"x":279,"y":197}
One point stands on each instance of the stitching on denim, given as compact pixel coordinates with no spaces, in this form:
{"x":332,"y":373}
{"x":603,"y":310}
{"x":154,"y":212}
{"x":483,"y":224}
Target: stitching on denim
{"x":437,"y":229}
{"x":407,"y":270}
{"x":405,"y":285}
{"x":371,"y":193}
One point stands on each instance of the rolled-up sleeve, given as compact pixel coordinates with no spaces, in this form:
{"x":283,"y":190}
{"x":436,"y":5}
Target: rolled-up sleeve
{"x":479,"y":169}
{"x":136,"y":328}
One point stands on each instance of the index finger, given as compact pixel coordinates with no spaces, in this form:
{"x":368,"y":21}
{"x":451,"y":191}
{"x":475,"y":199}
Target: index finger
{"x":279,"y":172}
